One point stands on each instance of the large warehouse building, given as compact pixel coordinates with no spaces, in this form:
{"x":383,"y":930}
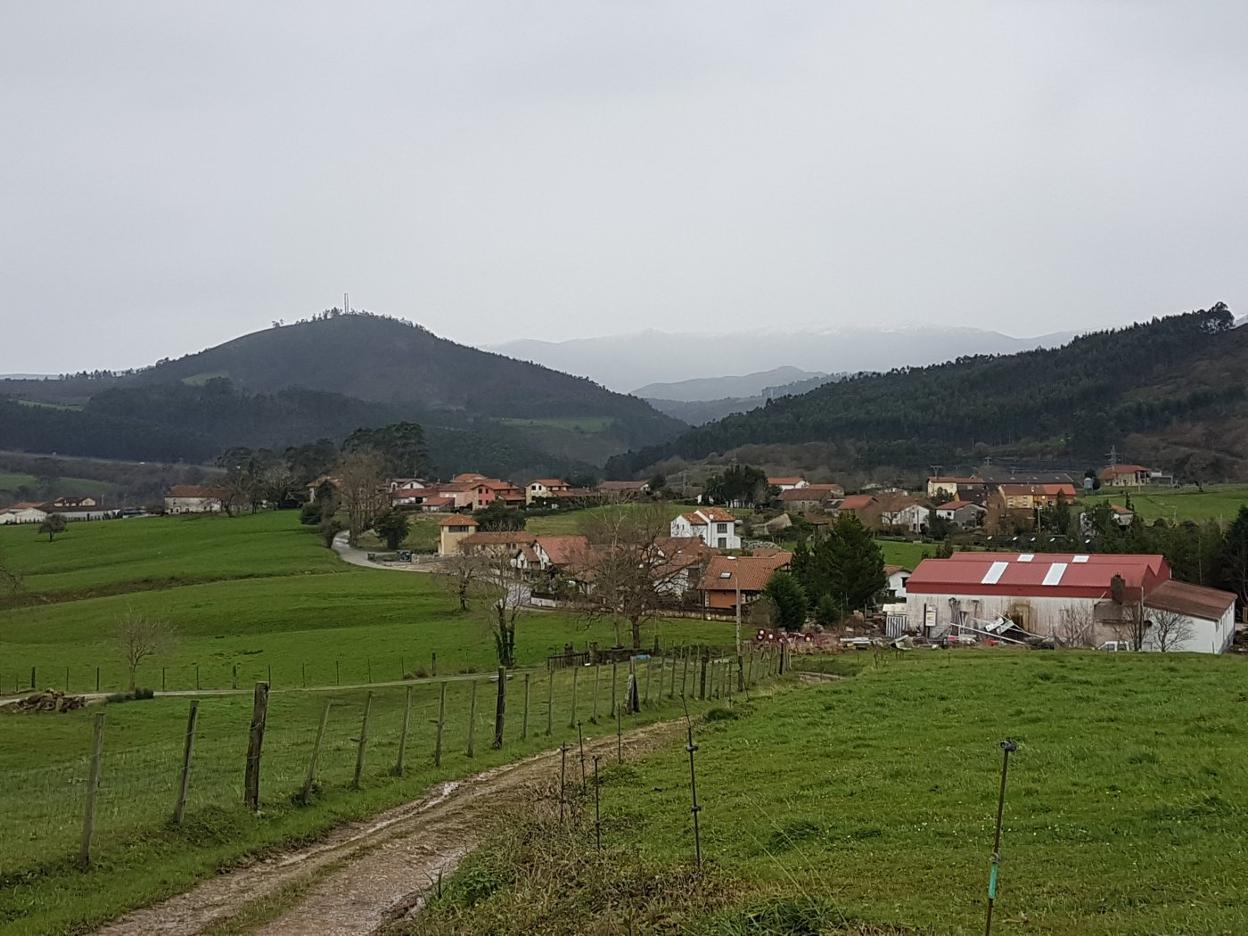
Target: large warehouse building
{"x":1092,"y":596}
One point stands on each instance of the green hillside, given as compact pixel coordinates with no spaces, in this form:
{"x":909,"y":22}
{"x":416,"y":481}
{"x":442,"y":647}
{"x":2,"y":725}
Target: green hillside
{"x":325,"y":378}
{"x":1169,"y":392}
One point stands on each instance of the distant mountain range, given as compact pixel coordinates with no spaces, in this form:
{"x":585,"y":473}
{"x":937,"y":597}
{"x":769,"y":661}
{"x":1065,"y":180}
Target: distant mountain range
{"x":622,"y":362}
{"x":695,"y":402}
{"x":326,"y":377}
{"x":1168,"y":393}
{"x":719,"y":388}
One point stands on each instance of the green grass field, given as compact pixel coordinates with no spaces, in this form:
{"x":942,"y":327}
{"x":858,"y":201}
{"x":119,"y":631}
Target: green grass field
{"x":572,"y":423}
{"x":268,"y":602}
{"x":140,"y":856}
{"x":867,"y":807}
{"x":907,"y":555}
{"x":155,"y":552}
{"x":1216,"y":502}
{"x":11,"y":481}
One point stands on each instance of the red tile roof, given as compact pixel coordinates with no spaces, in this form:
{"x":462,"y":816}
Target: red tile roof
{"x":751,"y":573}
{"x":856,"y":502}
{"x":564,"y":550}
{"x":457,"y":520}
{"x":1034,"y":490}
{"x":498,"y":538}
{"x":795,"y":479}
{"x":708,"y":515}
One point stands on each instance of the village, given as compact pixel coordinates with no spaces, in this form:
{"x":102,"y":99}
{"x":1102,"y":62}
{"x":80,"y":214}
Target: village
{"x":988,"y":582}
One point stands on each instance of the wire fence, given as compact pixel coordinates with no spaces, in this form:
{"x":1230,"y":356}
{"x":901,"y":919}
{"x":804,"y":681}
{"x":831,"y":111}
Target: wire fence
{"x":44,"y":784}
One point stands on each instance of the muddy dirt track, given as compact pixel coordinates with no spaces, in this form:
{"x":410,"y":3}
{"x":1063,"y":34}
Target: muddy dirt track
{"x":365,"y":875}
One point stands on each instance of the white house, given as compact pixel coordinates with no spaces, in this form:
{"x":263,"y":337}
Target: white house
{"x":912,"y":516}
{"x":1058,"y":595}
{"x":787,"y":483}
{"x":545,"y":488}
{"x":897,"y":578}
{"x":22,"y":513}
{"x":192,"y":498}
{"x":713,"y":525}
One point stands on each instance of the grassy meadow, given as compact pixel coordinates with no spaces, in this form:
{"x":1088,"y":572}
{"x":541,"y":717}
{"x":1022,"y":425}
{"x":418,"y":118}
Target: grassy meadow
{"x":866,"y":807}
{"x":250,"y":598}
{"x":1216,"y":502}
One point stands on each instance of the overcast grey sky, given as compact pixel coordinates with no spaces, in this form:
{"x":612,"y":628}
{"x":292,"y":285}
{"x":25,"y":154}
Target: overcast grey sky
{"x":176,"y":174}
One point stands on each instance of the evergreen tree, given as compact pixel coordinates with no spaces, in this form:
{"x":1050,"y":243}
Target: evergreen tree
{"x":784,"y":589}
{"x":846,"y":565}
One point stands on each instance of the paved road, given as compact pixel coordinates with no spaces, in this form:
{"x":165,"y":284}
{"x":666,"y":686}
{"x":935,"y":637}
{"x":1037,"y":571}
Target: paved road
{"x":359,"y":557}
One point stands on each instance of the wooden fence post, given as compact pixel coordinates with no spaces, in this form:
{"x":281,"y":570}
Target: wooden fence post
{"x":500,"y":709}
{"x":704,"y":657}
{"x":184,"y":780}
{"x":437,"y":744}
{"x":649,"y":673}
{"x":472,"y":721}
{"x":524,"y":725}
{"x":684,"y":676}
{"x":309,"y":782}
{"x":255,"y":743}
{"x":671,"y":686}
{"x":572,"y":717}
{"x":550,"y":701}
{"x":93,"y":788}
{"x":593,"y":710}
{"x":407,"y":720}
{"x":359,"y":755}
{"x":615,"y":666}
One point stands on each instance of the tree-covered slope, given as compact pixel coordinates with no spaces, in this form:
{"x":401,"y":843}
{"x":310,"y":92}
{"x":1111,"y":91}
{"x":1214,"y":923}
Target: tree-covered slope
{"x":194,"y":423}
{"x":1149,"y":381}
{"x":385,"y":360}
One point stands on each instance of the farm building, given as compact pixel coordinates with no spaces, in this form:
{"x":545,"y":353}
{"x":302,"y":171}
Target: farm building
{"x":1086,"y":599}
{"x":713,"y":525}
{"x":22,"y":513}
{"x":192,"y":498}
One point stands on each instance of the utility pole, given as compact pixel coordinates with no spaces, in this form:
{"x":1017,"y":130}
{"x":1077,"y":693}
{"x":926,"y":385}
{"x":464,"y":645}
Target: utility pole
{"x":346,"y":304}
{"x":736,"y":579}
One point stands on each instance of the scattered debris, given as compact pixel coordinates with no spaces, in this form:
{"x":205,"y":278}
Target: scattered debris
{"x":50,"y":700}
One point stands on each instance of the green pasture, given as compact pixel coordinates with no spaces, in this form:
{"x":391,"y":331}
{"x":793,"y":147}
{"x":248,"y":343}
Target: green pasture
{"x":140,"y":856}
{"x":11,"y":481}
{"x":570,"y":423}
{"x":866,"y":806}
{"x":110,"y":556}
{"x":1220,"y":502}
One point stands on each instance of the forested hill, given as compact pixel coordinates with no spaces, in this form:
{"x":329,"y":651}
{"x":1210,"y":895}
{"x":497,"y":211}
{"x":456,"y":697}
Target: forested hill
{"x":324,"y":378}
{"x":1171,"y":390}
{"x":373,"y":357}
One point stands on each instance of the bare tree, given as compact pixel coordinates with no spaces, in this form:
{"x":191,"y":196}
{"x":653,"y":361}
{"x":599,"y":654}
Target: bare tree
{"x":1076,"y":626}
{"x":1169,"y":630}
{"x":362,"y":489}
{"x":635,"y":568}
{"x":500,"y":585}
{"x":460,"y":577}
{"x":141,"y":637}
{"x":1131,"y":625}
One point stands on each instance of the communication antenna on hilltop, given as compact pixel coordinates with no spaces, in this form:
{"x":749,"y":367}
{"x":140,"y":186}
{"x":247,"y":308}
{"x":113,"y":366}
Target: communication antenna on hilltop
{"x":346,"y":304}
{"x":1113,"y":456}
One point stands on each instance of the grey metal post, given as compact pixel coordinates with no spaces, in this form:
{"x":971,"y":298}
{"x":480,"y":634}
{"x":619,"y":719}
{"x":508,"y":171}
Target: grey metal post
{"x":310,"y":780}
{"x":359,"y":755}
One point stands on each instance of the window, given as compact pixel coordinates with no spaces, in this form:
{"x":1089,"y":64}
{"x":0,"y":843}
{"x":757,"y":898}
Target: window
{"x":722,"y":528}
{"x":722,"y":542}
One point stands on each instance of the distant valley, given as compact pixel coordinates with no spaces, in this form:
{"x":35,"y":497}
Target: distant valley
{"x":625,"y":362}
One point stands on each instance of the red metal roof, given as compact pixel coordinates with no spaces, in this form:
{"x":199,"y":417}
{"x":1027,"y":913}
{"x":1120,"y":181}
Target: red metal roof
{"x":1037,"y":575}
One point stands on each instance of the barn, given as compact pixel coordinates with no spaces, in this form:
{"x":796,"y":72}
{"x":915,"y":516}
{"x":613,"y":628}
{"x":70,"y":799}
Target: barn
{"x":1083,"y":599}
